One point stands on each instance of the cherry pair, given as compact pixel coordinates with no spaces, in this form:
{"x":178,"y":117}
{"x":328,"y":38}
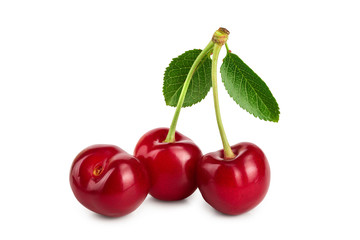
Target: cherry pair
{"x":231,"y":186}
{"x":111,"y":182}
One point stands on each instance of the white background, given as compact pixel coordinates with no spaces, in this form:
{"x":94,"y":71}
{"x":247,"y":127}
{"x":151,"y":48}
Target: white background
{"x":76,"y":73}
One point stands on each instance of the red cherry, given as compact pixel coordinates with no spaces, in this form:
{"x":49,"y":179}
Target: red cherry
{"x":233,"y":186}
{"x":171,"y":166}
{"x":108,"y":181}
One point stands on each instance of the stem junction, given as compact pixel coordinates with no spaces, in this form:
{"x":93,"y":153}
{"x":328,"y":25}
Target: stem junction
{"x":218,"y":40}
{"x":220,"y":37}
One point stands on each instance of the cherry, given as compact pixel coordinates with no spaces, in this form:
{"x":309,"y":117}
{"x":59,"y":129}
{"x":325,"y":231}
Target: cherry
{"x":234,"y":186}
{"x":171,"y":165}
{"x":108,"y":181}
{"x":236,"y":178}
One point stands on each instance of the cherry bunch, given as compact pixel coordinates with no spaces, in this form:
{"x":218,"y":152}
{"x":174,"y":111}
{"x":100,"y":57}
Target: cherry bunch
{"x":170,"y":166}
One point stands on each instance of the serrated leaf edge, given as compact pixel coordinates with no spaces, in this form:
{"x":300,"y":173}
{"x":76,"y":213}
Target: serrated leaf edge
{"x":166,"y":70}
{"x":228,"y":91}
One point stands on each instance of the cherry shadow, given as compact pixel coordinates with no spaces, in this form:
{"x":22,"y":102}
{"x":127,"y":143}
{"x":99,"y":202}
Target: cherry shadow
{"x":111,"y":219}
{"x":155,"y":201}
{"x":216,"y":213}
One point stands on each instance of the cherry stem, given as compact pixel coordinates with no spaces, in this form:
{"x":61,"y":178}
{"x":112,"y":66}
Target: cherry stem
{"x":228,"y":153}
{"x":227,"y":48}
{"x":171,"y":134}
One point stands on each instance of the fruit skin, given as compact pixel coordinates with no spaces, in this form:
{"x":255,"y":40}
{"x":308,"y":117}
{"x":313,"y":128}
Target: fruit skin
{"x":234,"y":186}
{"x":108,"y":181}
{"x":171,"y":166}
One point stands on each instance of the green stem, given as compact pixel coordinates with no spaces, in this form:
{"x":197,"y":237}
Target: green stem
{"x":228,"y":153}
{"x":171,"y":134}
{"x":227,"y":48}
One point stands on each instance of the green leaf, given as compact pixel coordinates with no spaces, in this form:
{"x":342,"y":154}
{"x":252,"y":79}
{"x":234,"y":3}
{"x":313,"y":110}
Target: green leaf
{"x":176,"y":73}
{"x":247,"y":89}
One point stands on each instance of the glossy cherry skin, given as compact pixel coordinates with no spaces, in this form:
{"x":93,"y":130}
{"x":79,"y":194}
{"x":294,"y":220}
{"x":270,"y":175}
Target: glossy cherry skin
{"x":236,"y":185}
{"x":108,"y":181}
{"x":171,"y":166}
